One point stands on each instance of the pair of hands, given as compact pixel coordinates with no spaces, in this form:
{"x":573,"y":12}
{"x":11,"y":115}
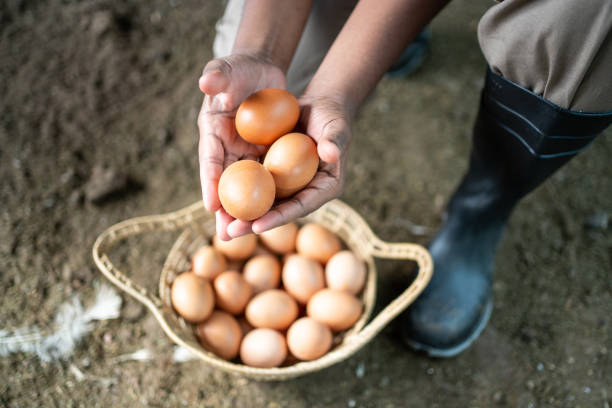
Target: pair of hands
{"x":226,"y":82}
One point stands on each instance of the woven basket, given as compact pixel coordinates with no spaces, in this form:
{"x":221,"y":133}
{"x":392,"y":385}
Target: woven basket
{"x":198,"y":227}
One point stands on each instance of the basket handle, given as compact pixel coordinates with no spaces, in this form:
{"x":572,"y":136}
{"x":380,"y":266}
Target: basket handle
{"x":135,"y":226}
{"x":417,"y":253}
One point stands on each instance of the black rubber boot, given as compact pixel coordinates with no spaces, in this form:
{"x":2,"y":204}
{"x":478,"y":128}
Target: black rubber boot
{"x":520,"y":139}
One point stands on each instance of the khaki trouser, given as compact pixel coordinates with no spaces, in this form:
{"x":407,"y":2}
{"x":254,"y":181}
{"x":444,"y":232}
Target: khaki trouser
{"x":559,"y":49}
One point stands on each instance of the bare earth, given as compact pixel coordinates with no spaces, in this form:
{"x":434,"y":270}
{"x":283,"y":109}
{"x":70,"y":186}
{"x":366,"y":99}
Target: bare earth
{"x":112,"y":85}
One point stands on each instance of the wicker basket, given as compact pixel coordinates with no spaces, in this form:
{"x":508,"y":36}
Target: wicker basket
{"x":198,"y":227}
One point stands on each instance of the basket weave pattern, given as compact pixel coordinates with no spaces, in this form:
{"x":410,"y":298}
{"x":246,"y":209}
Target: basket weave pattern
{"x":198,"y":227}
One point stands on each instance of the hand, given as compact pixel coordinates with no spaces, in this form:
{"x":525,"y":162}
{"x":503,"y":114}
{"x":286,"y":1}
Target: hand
{"x":327,"y":121}
{"x":226,"y":82}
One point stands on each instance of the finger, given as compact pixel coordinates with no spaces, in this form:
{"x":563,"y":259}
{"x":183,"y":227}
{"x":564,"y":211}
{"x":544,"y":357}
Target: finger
{"x":216,"y":77}
{"x":238,"y":228}
{"x":304,"y":202}
{"x":333,"y":141}
{"x":211,"y":166}
{"x":328,"y":151}
{"x":223,"y":219}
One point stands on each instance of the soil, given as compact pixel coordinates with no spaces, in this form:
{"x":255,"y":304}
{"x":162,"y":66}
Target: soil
{"x":99,"y":104}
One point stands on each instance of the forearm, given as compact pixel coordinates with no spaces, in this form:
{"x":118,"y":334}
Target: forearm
{"x":272,"y":29}
{"x":374,"y":36}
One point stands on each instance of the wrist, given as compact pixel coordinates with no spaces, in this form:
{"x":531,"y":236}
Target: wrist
{"x":344,"y":102}
{"x":259,"y":54}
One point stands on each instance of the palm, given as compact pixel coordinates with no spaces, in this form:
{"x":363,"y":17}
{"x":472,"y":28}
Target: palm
{"x":220,"y":144}
{"x":319,"y":117}
{"x":326,"y":122}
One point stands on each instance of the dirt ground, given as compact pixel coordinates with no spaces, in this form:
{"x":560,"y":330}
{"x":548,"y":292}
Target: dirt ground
{"x":111,"y":85}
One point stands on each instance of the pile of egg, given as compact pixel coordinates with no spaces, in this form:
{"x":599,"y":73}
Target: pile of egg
{"x":248,"y":188}
{"x":271,"y":299}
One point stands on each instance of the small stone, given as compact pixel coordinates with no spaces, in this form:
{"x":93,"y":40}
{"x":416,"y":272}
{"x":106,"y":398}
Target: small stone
{"x":75,"y":198}
{"x":101,"y":22}
{"x":351,"y":403}
{"x":155,"y":17}
{"x":104,"y":183}
{"x":360,"y":370}
{"x":48,"y":203}
{"x":68,"y":176}
{"x":499,"y":397}
{"x":540,"y":366}
{"x":598,"y":221}
{"x":132,"y":311}
{"x":530,"y":384}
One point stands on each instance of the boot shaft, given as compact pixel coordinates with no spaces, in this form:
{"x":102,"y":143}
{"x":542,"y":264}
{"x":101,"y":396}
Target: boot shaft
{"x":520,"y":139}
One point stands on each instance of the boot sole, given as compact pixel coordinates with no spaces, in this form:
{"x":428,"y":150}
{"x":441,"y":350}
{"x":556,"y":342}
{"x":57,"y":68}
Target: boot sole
{"x":453,"y":351}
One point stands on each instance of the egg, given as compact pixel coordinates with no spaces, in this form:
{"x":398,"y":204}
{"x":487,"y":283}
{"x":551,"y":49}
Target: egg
{"x":236,"y":249}
{"x":207,"y":262}
{"x":221,"y":334}
{"x":262,"y":272}
{"x":302,"y":277}
{"x":344,"y":271}
{"x":281,"y":239}
{"x":266,"y":115}
{"x":272,"y":309}
{"x":293,"y":161}
{"x":264,"y":348}
{"x":308,"y":339}
{"x":317,"y":242}
{"x":192,"y":297}
{"x":261,"y":250}
{"x":336,"y":309}
{"x":246,"y":190}
{"x":232,"y":292}
{"x":234,"y":265}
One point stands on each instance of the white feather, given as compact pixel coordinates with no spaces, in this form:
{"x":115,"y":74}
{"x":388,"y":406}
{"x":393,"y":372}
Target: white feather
{"x":72,"y":322}
{"x":182,"y":354}
{"x":139,"y":355}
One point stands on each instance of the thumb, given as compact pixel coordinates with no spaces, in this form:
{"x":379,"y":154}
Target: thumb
{"x":334,"y":140}
{"x":215,"y":77}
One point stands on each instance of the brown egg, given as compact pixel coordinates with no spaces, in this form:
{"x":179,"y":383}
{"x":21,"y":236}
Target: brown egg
{"x":238,"y":248}
{"x":272,"y":309}
{"x":308,"y":339}
{"x":317,"y":242}
{"x":263,"y":272}
{"x":281,"y":239}
{"x":207,"y":262}
{"x":266,"y":115}
{"x":344,"y":271}
{"x":221,"y":334}
{"x":293,"y":161}
{"x":232,"y":292}
{"x":246,"y":190}
{"x":302,"y":277}
{"x":234,"y":266}
{"x":264,"y":348}
{"x":337,"y":310}
{"x":261,"y":250}
{"x":192,"y":297}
